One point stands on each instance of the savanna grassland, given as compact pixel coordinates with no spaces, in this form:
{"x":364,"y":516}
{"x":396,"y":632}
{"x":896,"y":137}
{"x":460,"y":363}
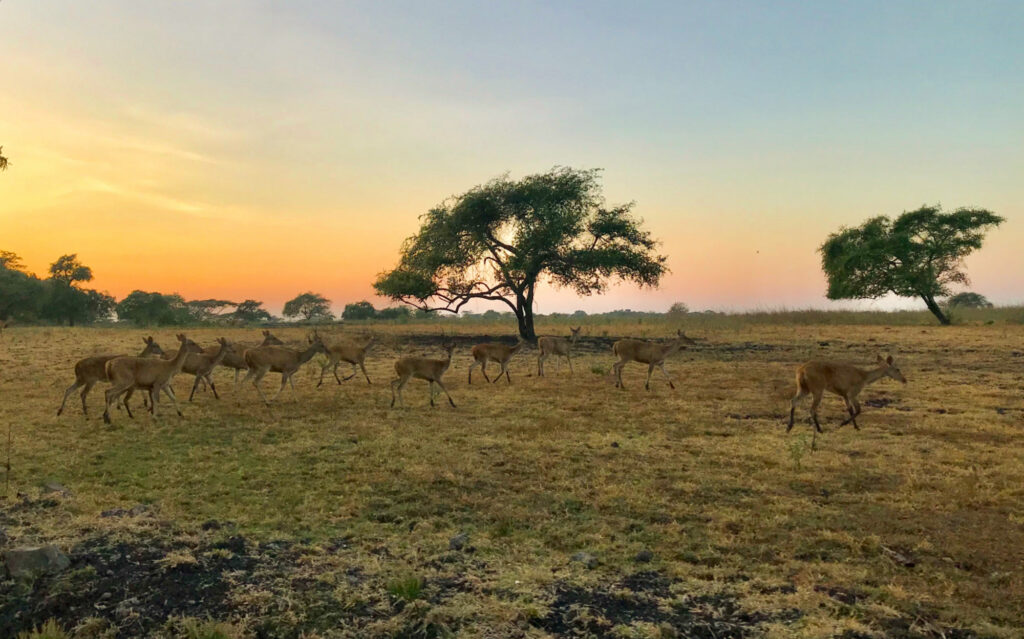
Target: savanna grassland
{"x":555,"y":506}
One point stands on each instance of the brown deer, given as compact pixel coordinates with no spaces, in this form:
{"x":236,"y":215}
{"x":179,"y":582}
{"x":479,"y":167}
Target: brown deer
{"x":845,"y":380}
{"x":558,"y":346}
{"x":202,"y":364}
{"x":93,"y":369}
{"x":430,"y":370}
{"x":349,"y":353}
{"x":279,"y":359}
{"x":149,"y":374}
{"x":650,"y":353}
{"x":493,"y":352}
{"x":236,"y":358}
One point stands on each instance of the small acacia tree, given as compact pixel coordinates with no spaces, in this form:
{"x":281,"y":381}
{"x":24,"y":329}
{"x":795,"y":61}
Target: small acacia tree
{"x":968,"y":299}
{"x":251,"y":311}
{"x":499,"y":240}
{"x":919,"y":254}
{"x":3,"y":160}
{"x":311,"y":306}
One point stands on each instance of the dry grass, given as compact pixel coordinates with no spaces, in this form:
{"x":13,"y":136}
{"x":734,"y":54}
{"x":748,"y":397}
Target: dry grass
{"x":703,"y":477}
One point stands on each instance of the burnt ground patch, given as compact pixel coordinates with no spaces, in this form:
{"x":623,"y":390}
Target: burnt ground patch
{"x":647,"y":597}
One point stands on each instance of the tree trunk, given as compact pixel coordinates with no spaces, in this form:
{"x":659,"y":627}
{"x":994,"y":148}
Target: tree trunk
{"x":929,"y":301}
{"x":524,"y":315}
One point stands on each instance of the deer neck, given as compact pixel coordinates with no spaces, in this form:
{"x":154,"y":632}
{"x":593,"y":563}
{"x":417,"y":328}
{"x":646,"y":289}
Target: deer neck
{"x":179,"y":359}
{"x":307,"y":354}
{"x":873,"y":375}
{"x":221,"y":354}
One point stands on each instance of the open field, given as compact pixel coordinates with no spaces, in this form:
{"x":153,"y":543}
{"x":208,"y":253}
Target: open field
{"x":331,"y":515}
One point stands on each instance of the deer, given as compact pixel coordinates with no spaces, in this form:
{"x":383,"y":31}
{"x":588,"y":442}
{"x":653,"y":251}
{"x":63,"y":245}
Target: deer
{"x":236,"y":358}
{"x":493,"y":352}
{"x":349,"y":353}
{"x":90,"y":370}
{"x":424,"y":368}
{"x":558,"y":346}
{"x":845,"y":380}
{"x":202,"y":364}
{"x":279,"y":359}
{"x":650,"y":353}
{"x":150,"y":374}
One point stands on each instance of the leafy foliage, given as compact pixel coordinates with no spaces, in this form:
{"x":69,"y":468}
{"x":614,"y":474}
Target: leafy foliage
{"x":251,"y":311}
{"x":968,"y":299}
{"x":153,"y":309}
{"x":497,"y":241}
{"x":311,"y":306}
{"x":920,"y":254}
{"x":359,"y":311}
{"x":3,"y":160}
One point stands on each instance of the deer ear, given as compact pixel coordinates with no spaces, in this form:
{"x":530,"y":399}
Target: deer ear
{"x":888,"y":360}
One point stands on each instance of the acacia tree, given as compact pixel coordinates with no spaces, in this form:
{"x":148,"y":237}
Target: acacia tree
{"x":968,"y":299}
{"x":919,"y":254}
{"x":3,"y":160}
{"x":497,"y":241}
{"x":311,"y":306}
{"x":251,"y":311}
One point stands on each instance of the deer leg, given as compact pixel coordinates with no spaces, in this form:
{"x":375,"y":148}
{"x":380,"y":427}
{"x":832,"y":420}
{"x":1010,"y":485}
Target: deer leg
{"x":67,"y":394}
{"x":195,"y":384}
{"x":856,"y":412}
{"x":174,"y":402}
{"x":323,"y":369}
{"x":849,"y":409}
{"x":471,"y":367}
{"x":647,"y":384}
{"x":540,"y":365}
{"x":669,"y":379}
{"x":501,"y":372}
{"x":284,"y":382}
{"x":569,"y":359}
{"x":430,"y":389}
{"x":507,"y":377}
{"x":363,"y":368}
{"x":814,"y":411}
{"x":400,"y":382}
{"x":617,"y":369}
{"x":213,"y":387}
{"x":257,"y":375}
{"x":110,"y":397}
{"x":237,"y":371}
{"x":446,"y":393}
{"x":792,"y":407}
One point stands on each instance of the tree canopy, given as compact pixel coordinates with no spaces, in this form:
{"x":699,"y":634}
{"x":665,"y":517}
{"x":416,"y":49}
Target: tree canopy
{"x":359,"y":311}
{"x":251,"y":311}
{"x":968,"y":299}
{"x":919,"y":254}
{"x":311,"y":306}
{"x":3,"y":160}
{"x":497,"y":241}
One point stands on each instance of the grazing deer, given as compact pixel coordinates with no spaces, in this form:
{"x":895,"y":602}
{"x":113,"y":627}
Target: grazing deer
{"x":279,"y":359}
{"x":430,"y":370}
{"x":558,"y":346}
{"x":90,"y":370}
{"x":152,"y":375}
{"x":349,"y":353}
{"x":236,"y":358}
{"x":845,"y":380}
{"x":493,"y":352}
{"x":650,"y":353}
{"x":202,"y":364}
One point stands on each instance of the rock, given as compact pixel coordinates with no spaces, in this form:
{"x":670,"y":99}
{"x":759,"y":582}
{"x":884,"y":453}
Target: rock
{"x":125,"y":608}
{"x":585,"y":558}
{"x":459,"y":541}
{"x":51,"y":486}
{"x":28,"y":562}
{"x":644,"y":556}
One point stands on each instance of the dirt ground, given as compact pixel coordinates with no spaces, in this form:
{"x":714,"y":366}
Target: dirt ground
{"x":551,"y":506}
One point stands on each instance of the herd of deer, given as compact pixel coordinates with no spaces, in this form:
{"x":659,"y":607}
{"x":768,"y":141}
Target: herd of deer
{"x":152,"y":370}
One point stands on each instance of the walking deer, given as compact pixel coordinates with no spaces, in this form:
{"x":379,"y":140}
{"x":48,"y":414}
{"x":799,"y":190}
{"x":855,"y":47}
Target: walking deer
{"x":202,"y":364}
{"x":558,"y":346}
{"x":279,"y":359}
{"x":93,"y":369}
{"x":493,"y":352}
{"x":845,"y":380}
{"x":430,"y":370}
{"x":149,"y":374}
{"x":349,"y":353}
{"x":236,"y":358}
{"x":650,"y":353}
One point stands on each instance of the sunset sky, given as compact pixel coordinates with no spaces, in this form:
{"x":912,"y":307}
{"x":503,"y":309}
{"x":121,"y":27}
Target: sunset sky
{"x":257,"y":150}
